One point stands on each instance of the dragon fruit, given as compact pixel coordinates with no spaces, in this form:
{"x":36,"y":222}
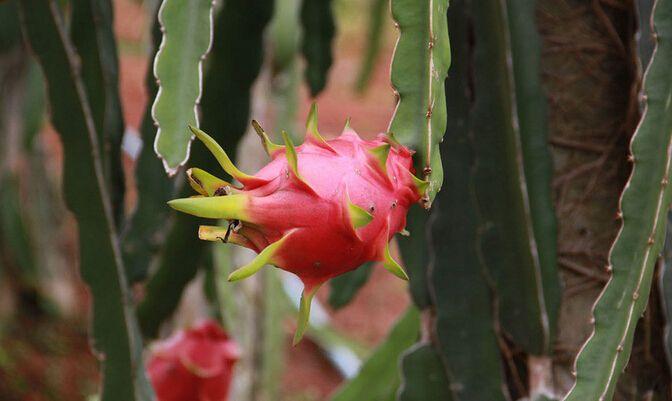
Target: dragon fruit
{"x":317,"y":210}
{"x":194,"y":364}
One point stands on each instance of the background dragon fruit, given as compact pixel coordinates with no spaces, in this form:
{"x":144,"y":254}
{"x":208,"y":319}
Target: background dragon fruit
{"x":317,"y":210}
{"x":194,"y":364}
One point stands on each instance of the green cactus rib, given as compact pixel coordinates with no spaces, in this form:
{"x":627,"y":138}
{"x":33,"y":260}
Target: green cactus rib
{"x":317,"y":20}
{"x":378,"y":378}
{"x":644,"y":205}
{"x":92,"y":34}
{"x":187,"y":36}
{"x":511,"y":177}
{"x":114,"y":330}
{"x":415,"y":254}
{"x":238,"y":34}
{"x":423,"y":375}
{"x":665,"y":289}
{"x":459,"y":290}
{"x":419,"y":69}
{"x":532,"y":120}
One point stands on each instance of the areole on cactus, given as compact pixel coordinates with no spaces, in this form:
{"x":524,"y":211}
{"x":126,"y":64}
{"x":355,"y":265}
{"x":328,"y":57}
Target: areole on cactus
{"x":317,"y":210}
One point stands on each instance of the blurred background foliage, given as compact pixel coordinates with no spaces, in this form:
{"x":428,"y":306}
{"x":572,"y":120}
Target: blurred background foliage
{"x":542,"y":100}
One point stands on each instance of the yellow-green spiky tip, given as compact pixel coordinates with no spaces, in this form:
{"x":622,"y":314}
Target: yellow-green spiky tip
{"x":380,"y":154}
{"x":264,"y":258}
{"x":420,"y":185}
{"x":392,"y":266}
{"x":312,"y":133}
{"x":266,"y":142}
{"x":230,"y":207}
{"x":393,"y":140}
{"x":347,"y":124}
{"x":220,"y":155}
{"x":311,"y":121}
{"x":207,"y":184}
{"x":304,"y":314}
{"x":358,"y":216}
{"x":290,"y":152}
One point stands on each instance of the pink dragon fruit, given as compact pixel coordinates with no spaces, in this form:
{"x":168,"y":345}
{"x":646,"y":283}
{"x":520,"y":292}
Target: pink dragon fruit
{"x":194,"y":364}
{"x":317,"y":210}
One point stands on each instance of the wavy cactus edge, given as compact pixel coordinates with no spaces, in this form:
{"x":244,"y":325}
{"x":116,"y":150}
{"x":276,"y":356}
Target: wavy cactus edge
{"x":618,"y":345}
{"x":171,"y":171}
{"x":437,"y":54}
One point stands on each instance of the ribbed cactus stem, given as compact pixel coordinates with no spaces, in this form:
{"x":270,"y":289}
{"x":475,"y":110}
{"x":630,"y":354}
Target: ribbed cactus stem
{"x":643,"y":209}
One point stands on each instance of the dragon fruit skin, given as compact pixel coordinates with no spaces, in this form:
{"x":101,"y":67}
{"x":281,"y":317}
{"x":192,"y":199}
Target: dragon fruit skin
{"x":317,"y":210}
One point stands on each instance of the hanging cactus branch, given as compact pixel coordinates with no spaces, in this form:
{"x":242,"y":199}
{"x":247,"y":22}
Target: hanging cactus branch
{"x":187,"y":36}
{"x":419,"y":69}
{"x":114,"y":334}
